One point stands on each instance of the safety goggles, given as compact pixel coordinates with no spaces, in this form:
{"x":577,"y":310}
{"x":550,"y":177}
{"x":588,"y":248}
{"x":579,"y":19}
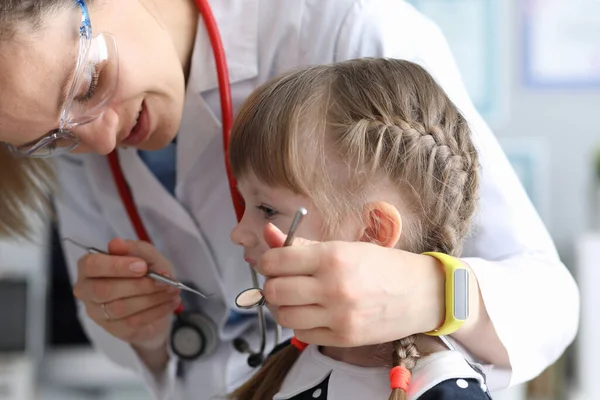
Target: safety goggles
{"x":93,"y":86}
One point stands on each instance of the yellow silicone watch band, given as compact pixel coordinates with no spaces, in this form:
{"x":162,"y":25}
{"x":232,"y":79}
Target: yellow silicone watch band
{"x":456,"y":294}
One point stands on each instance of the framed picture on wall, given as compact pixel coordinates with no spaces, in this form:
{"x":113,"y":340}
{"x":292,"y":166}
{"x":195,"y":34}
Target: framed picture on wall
{"x":561,"y":43}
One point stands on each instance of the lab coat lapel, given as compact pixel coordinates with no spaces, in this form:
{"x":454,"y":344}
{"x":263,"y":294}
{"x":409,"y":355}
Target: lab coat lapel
{"x":151,"y":198}
{"x":109,"y":201}
{"x":201,"y":121}
{"x":149,"y":192}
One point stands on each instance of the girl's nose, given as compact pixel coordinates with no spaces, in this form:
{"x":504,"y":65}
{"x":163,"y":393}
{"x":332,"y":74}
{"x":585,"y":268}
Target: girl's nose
{"x":100,"y":135}
{"x":242,"y":236}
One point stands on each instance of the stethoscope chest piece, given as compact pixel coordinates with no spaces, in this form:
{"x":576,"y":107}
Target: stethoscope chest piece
{"x":194,"y":336}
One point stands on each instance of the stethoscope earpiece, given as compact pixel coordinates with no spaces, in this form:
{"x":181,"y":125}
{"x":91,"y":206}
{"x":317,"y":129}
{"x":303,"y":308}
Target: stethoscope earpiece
{"x":241,"y":345}
{"x":254,"y":359}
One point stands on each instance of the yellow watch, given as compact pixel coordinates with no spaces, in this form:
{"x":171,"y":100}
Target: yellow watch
{"x":457,"y":294}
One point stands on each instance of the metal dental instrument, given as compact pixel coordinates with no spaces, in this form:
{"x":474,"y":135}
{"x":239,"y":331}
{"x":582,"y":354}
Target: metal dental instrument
{"x":254,"y":297}
{"x":150,"y":274}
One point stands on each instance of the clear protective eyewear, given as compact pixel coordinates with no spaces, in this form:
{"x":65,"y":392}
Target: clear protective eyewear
{"x":93,"y":86}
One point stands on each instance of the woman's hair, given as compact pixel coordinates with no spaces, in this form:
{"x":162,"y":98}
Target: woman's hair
{"x":334,"y":133}
{"x":25,"y":184}
{"x":15,"y":14}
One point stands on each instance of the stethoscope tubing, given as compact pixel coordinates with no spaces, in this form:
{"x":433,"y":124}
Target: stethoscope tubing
{"x":227,"y":123}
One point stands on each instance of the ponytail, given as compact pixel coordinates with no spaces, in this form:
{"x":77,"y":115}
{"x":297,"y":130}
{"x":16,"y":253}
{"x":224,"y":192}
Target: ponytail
{"x":405,"y":358}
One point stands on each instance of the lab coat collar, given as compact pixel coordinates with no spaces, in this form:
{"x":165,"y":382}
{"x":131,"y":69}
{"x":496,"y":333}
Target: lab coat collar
{"x":237,"y":21}
{"x":151,"y":198}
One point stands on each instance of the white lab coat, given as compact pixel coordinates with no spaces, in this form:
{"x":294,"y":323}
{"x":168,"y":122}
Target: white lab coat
{"x":525,"y":286}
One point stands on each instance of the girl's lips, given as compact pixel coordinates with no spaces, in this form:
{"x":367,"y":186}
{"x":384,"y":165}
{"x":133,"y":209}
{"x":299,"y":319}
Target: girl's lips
{"x":250,"y":261}
{"x":141,"y":130}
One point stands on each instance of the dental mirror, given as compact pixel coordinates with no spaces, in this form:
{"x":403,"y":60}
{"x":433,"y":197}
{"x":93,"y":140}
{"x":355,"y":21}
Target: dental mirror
{"x":254,"y":297}
{"x":250,"y":298}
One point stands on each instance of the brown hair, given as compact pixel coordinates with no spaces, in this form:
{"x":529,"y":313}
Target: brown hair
{"x":382,"y":120}
{"x":30,"y":13}
{"x":25,"y":184}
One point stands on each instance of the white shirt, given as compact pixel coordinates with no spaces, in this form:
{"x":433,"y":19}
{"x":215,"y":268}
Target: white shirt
{"x":323,"y":378}
{"x":525,"y":286}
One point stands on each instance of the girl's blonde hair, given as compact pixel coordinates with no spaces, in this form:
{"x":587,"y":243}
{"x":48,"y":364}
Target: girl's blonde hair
{"x":332,"y":132}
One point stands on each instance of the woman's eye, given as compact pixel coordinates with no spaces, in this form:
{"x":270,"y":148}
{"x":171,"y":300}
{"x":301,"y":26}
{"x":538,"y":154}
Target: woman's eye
{"x":89,"y":84}
{"x":267,"y":211}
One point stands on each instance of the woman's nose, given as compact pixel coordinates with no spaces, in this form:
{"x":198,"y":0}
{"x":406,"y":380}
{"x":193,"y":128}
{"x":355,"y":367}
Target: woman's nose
{"x":100,"y":135}
{"x":242,"y":236}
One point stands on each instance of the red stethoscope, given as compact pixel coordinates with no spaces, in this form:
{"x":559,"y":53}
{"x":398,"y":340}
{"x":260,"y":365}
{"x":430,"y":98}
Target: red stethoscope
{"x":195,"y":335}
{"x":227,"y":122}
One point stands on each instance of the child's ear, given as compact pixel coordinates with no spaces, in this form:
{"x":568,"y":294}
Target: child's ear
{"x":383,"y":224}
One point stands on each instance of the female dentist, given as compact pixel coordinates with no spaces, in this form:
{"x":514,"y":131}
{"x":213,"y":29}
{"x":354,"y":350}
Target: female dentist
{"x":148,"y":77}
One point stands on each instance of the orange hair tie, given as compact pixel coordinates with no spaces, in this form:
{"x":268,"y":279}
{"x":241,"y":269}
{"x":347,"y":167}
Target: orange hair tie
{"x":400,"y":378}
{"x":298,"y":344}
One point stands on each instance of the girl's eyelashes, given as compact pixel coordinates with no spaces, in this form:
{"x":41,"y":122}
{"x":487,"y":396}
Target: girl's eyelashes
{"x":268,"y":212}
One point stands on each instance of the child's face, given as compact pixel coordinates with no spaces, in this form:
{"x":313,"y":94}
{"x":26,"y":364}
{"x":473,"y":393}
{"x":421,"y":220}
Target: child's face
{"x":266,"y":204}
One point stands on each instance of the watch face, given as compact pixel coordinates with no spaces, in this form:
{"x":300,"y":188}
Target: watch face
{"x":187,"y":341}
{"x":461,"y":294}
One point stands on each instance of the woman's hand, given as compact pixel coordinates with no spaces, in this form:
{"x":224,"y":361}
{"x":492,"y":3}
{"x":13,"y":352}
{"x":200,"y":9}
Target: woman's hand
{"x":119,"y":298}
{"x":350,"y":294}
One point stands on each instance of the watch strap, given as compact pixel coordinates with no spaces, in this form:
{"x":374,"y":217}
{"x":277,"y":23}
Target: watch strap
{"x":456,"y":294}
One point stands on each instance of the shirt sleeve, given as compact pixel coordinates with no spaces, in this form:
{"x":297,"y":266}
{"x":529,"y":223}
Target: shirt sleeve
{"x":529,"y":294}
{"x":80,"y":218}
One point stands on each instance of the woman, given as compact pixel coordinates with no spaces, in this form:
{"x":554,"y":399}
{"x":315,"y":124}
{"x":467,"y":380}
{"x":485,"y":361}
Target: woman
{"x":153,"y":79}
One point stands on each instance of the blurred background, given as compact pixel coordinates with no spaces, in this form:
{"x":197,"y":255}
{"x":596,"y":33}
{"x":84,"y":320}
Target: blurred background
{"x":532,"y":68}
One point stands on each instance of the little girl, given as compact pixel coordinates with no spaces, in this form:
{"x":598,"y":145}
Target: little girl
{"x":375,"y":151}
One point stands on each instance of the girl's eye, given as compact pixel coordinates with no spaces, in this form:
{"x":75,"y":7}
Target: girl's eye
{"x":267,"y":211}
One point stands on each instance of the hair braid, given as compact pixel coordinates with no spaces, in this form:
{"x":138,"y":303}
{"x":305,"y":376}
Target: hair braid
{"x":448,"y":195}
{"x":440,"y":168}
{"x":405,"y":355}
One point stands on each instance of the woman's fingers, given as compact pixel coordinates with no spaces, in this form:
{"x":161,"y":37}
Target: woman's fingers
{"x":141,"y":326}
{"x":110,"y":266}
{"x":298,"y":259}
{"x":322,"y":336}
{"x":106,"y":290}
{"x":293,"y":291}
{"x":120,"y":298}
{"x":322,"y":325}
{"x":289,"y":261}
{"x":148,"y":253}
{"x":124,"y":308}
{"x":301,"y":317}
